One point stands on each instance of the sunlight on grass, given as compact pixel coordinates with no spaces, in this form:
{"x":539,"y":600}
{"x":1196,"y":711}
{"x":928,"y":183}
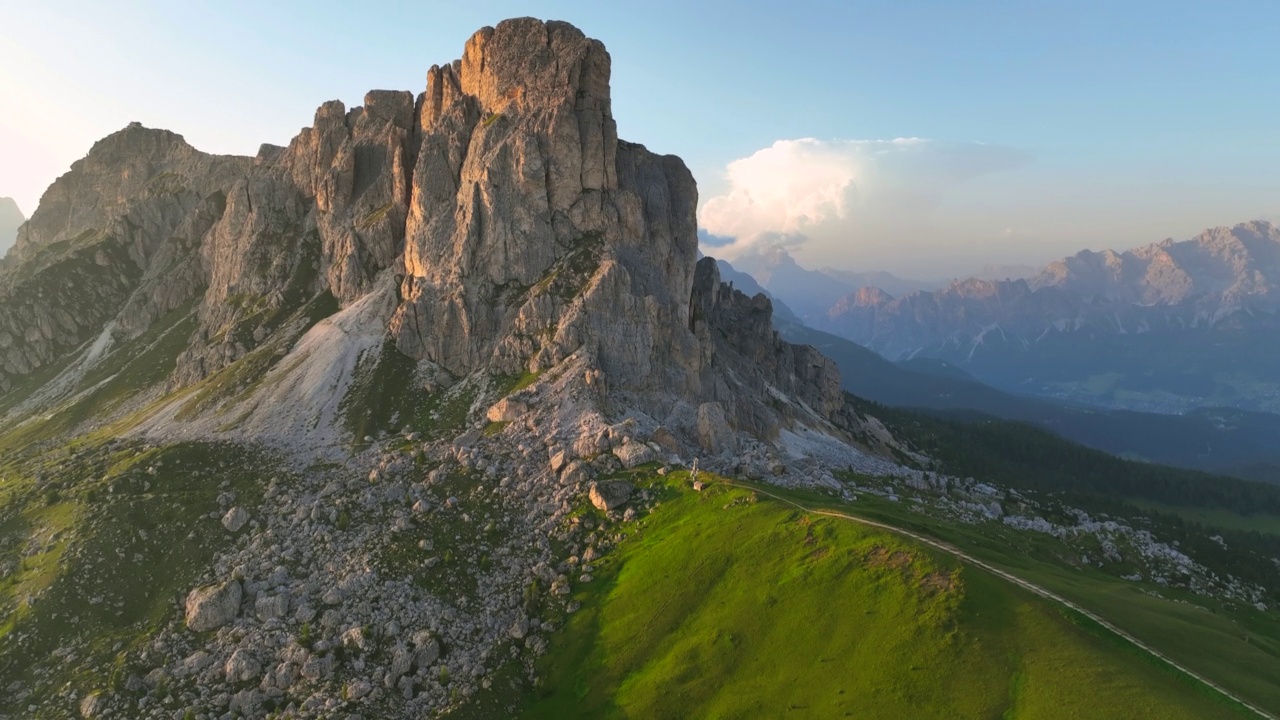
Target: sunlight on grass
{"x":731,"y":606}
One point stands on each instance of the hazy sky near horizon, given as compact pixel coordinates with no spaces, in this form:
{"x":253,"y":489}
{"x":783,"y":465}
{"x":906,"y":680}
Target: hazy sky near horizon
{"x":925,"y":138}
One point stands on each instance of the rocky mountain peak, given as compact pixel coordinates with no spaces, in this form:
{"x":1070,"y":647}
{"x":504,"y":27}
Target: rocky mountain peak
{"x":1230,"y":264}
{"x":526,"y":64}
{"x":863,"y":297}
{"x":120,"y":170}
{"x":492,"y":226}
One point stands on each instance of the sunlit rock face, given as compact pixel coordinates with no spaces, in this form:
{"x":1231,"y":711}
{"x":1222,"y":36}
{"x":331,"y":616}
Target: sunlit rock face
{"x":518,"y":231}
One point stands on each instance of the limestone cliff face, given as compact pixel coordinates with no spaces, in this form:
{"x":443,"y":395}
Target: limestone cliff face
{"x":519,"y":231}
{"x":747,"y":364}
{"x":325,"y":214}
{"x":533,"y":233}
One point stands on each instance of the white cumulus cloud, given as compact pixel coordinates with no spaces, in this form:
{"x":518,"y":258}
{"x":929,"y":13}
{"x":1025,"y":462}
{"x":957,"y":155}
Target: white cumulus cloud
{"x":834,"y":193}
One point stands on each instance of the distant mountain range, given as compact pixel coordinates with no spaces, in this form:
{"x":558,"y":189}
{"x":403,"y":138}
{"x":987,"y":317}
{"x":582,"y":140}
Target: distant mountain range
{"x":1166,"y":328}
{"x":10,"y":220}
{"x":816,"y":294}
{"x":1229,"y":441}
{"x":812,"y":293}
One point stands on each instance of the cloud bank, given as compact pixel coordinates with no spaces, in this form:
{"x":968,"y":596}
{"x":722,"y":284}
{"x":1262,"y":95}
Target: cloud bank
{"x":827,"y":195}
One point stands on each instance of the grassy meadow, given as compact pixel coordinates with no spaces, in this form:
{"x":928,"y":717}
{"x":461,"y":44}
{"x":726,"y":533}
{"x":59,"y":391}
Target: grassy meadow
{"x":724,"y":604}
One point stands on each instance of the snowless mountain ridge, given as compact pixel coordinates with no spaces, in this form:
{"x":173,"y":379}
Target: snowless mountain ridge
{"x":501,"y":224}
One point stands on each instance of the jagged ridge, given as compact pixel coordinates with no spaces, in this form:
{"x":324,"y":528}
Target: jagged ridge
{"x":518,"y":232}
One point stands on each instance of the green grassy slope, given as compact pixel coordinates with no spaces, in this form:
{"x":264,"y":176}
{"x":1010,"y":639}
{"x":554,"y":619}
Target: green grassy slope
{"x":121,"y":533}
{"x":724,"y":605}
{"x":1232,"y":644}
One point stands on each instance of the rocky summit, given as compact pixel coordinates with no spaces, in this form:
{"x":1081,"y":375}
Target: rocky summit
{"x":495,"y":222}
{"x":412,"y":343}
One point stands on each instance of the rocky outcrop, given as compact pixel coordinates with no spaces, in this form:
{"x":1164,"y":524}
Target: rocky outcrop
{"x":211,"y":607}
{"x":145,"y":223}
{"x":112,"y":238}
{"x":153,"y":173}
{"x":531,"y":227}
{"x":534,"y":235}
{"x":748,"y":367}
{"x":715,"y":436}
{"x":521,"y":235}
{"x":325,"y":214}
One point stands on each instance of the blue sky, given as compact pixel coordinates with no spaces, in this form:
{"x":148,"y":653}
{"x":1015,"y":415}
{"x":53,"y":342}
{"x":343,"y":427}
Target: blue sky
{"x":1039,"y":127}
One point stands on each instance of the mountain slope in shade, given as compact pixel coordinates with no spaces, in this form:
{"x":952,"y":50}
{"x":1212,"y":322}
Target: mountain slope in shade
{"x":1166,"y":327}
{"x":1223,"y":440}
{"x":11,"y":219}
{"x":747,"y":285}
{"x":807,"y":292}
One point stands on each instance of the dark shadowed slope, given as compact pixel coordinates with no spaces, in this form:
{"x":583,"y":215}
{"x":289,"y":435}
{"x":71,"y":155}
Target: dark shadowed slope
{"x":1236,"y":442}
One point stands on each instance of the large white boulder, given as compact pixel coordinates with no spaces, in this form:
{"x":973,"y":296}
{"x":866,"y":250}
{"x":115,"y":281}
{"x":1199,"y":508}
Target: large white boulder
{"x":213,"y":606}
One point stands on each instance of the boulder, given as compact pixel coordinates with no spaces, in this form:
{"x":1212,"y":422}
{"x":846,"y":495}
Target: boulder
{"x":357,"y":689}
{"x":401,"y":662}
{"x":610,"y":494}
{"x":506,"y":410}
{"x":575,"y":472}
{"x":196,"y":661}
{"x":235,"y":519}
{"x":427,"y":649}
{"x":559,"y":459}
{"x":633,"y":453}
{"x":317,"y":667}
{"x":242,"y":666}
{"x":213,"y":606}
{"x":519,"y":628}
{"x":354,"y":640}
{"x":589,"y":445}
{"x":92,"y":705}
{"x":269,"y":607}
{"x":246,"y":703}
{"x":667,"y":441}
